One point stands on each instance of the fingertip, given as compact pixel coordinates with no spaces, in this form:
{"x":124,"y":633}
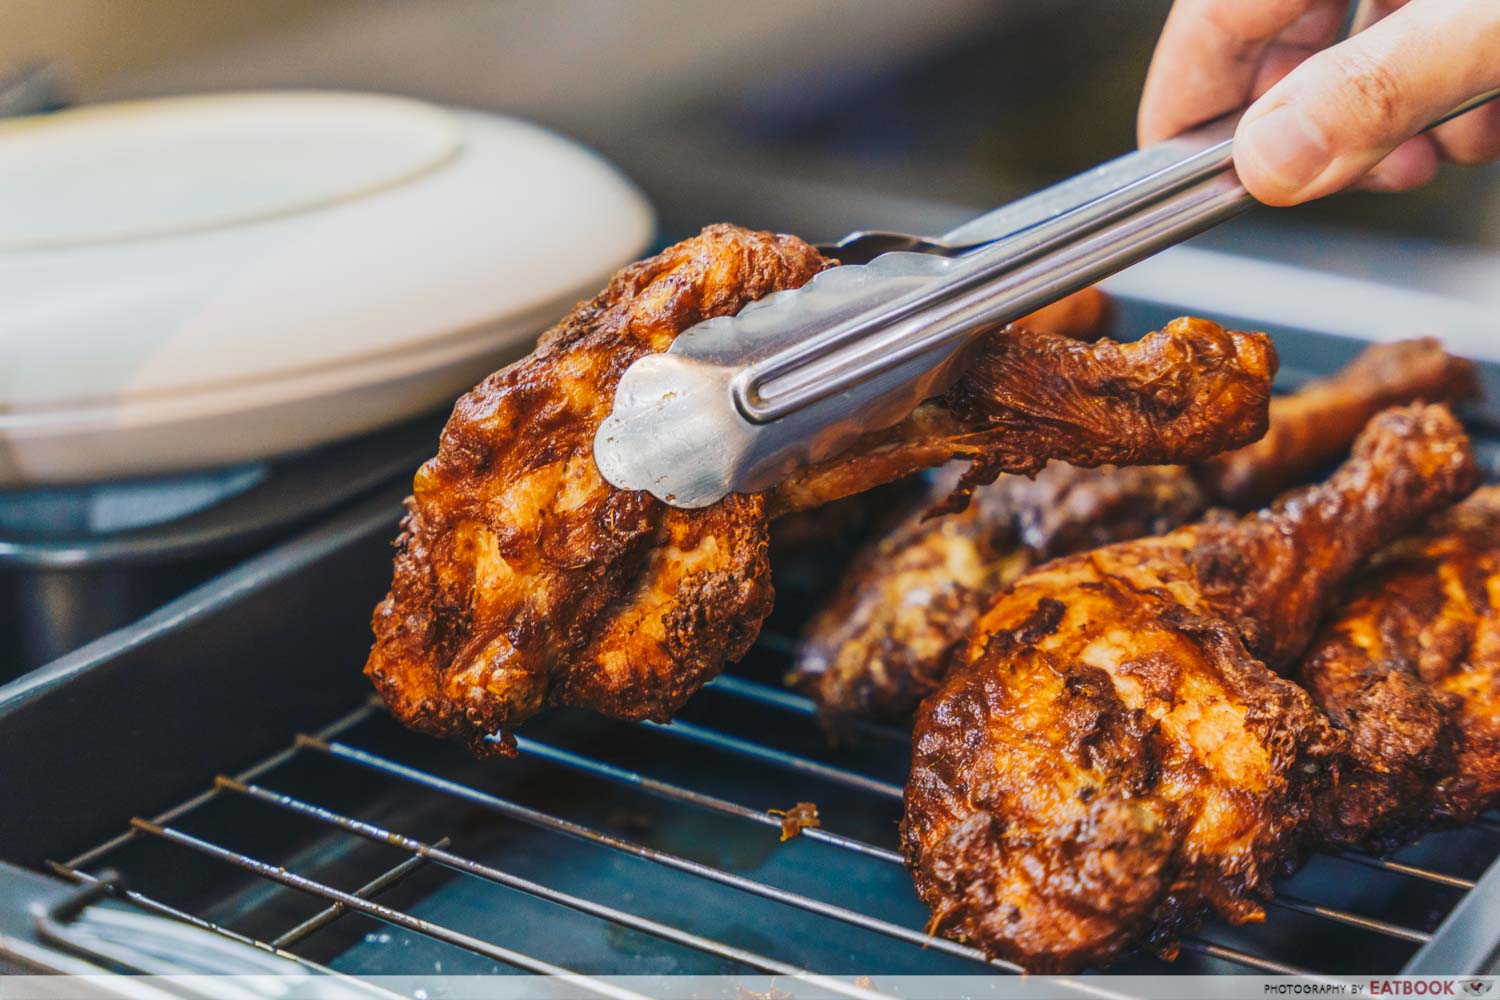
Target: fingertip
{"x":1265,"y":189}
{"x":1280,"y":155}
{"x":1205,"y":61}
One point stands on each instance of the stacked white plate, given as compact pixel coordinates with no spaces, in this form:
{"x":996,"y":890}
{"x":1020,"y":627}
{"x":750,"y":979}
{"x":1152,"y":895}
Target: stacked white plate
{"x":200,"y":281}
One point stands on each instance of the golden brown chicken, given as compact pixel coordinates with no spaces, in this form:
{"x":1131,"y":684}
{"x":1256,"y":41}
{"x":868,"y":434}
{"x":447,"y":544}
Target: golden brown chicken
{"x":523,"y":579}
{"x":1084,"y":315}
{"x":1311,"y":428}
{"x":1116,"y":754}
{"x":1410,"y":668}
{"x":1185,"y":393}
{"x":886,"y":638}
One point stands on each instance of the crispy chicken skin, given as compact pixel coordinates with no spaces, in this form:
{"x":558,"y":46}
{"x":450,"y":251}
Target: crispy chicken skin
{"x":523,"y":579}
{"x":885,"y":639}
{"x":1182,"y":394}
{"x":888,"y":635}
{"x":1116,"y":754}
{"x":1312,"y":427}
{"x":1410,"y":667}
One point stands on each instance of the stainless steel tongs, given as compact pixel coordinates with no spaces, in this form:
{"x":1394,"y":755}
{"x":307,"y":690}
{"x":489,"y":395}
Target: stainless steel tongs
{"x":737,"y":403}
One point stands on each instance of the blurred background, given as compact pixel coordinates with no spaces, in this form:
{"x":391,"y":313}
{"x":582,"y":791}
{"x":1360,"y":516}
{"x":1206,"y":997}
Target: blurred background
{"x":813,"y":117}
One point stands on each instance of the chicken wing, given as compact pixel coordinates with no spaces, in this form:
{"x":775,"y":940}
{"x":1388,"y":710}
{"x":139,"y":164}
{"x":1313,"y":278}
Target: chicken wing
{"x":1084,"y":315}
{"x":1311,"y":428}
{"x":1116,"y":754}
{"x":1410,"y":668}
{"x":523,"y":579}
{"x":1182,"y":394}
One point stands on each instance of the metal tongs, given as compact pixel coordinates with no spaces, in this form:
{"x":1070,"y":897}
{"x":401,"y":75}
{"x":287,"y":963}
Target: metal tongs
{"x":738,"y":402}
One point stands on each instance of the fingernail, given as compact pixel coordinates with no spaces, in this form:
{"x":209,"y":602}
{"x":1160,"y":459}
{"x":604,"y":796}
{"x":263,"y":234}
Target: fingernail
{"x":1288,"y":146}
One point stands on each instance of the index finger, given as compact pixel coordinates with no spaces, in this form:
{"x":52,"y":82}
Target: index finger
{"x":1210,"y":53}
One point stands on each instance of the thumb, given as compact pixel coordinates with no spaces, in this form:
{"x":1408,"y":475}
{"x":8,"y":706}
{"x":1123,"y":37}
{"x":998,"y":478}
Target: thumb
{"x":1340,"y":112}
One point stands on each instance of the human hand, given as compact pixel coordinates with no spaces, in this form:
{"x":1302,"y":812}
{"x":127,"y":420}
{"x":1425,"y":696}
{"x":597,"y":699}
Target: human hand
{"x":1328,"y":115}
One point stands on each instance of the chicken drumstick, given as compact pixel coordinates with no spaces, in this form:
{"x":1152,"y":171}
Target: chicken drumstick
{"x":1410,"y":668}
{"x":1116,"y":755}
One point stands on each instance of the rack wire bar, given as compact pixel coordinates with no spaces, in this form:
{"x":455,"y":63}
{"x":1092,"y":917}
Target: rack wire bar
{"x":742,"y":687}
{"x":781,"y":758}
{"x":380,"y":883}
{"x":781,"y":698}
{"x":1290,"y":902}
{"x":421,"y":851}
{"x":400,"y":918}
{"x":1402,"y":868}
{"x":864,"y":921}
{"x":1269,"y":966}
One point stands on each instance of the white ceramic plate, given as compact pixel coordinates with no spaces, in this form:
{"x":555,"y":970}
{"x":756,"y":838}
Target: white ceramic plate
{"x":242,"y":423}
{"x":327,"y":310}
{"x":126,"y":171}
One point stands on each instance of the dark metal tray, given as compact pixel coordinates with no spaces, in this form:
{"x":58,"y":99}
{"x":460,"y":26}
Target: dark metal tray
{"x":79,"y":561}
{"x":608,"y":848}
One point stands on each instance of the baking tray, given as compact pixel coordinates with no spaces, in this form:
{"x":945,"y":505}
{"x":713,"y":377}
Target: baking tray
{"x":226,"y":677}
{"x":78,"y":561}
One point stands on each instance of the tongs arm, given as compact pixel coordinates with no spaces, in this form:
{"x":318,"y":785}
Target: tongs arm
{"x":1091,"y":230}
{"x":1045,"y":246}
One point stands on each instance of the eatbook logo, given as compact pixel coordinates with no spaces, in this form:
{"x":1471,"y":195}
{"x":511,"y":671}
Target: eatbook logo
{"x":1478,"y":987}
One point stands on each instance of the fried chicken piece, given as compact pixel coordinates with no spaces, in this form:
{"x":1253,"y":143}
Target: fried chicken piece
{"x":888,"y":636}
{"x":802,"y":816}
{"x":523,"y":579}
{"x":1410,"y":668}
{"x":1116,"y":754}
{"x":1312,"y":427}
{"x":1084,"y":315}
{"x":1179,"y":395}
{"x":885,"y":639}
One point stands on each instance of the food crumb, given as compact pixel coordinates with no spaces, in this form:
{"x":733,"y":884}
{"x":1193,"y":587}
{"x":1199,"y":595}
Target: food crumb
{"x":772,"y":993}
{"x":796,"y":819}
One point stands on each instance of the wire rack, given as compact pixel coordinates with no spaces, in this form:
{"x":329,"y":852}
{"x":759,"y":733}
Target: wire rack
{"x":349,"y":824}
{"x":616,"y":849}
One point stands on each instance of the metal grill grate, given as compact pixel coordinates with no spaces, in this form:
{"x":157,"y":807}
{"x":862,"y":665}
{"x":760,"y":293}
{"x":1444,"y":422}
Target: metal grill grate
{"x":608,"y":847}
{"x":452,"y":788}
